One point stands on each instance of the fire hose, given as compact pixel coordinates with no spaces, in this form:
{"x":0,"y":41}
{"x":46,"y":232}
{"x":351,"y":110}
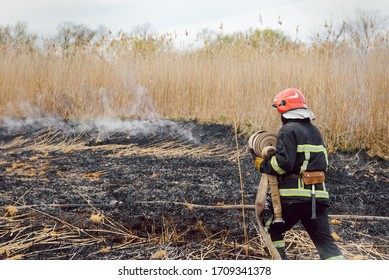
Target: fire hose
{"x":263,"y":144}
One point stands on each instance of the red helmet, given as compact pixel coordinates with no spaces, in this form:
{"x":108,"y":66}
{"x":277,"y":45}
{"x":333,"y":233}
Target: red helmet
{"x":289,"y":99}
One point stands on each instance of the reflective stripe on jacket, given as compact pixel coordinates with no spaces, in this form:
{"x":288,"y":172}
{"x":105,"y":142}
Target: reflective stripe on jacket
{"x":299,"y":148}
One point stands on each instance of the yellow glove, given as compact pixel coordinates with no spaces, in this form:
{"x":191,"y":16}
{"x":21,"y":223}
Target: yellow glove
{"x":257,"y":162}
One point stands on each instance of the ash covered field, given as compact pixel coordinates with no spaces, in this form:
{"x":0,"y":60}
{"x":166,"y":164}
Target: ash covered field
{"x":117,"y":189}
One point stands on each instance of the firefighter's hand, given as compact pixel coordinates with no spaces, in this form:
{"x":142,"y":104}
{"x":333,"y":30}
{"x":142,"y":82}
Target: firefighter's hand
{"x":257,"y":162}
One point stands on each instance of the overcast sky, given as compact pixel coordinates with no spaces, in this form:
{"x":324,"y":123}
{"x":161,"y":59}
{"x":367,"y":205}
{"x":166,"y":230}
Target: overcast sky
{"x":43,"y":16}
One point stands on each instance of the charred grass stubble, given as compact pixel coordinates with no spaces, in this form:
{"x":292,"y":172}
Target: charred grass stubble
{"x":119,"y":201}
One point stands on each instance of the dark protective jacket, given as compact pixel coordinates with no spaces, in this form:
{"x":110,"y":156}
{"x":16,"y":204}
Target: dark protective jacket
{"x":299,"y":148}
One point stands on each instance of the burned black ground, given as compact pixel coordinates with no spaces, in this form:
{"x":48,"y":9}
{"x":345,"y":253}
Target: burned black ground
{"x":143,"y":185}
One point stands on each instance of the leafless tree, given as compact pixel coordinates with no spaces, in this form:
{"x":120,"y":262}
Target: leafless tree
{"x":71,"y":36}
{"x":366,"y":28}
{"x":363,"y":31}
{"x":17,"y":36}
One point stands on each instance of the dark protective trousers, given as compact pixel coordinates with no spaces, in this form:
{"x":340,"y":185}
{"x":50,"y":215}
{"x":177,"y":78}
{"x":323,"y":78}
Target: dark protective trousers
{"x":318,"y":230}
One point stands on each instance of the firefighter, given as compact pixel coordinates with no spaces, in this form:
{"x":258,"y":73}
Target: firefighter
{"x":300,"y":151}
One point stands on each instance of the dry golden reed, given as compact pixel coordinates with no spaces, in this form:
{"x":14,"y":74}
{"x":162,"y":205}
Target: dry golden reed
{"x":347,"y":90}
{"x":159,"y":255}
{"x":11,"y":210}
{"x":97,"y":218}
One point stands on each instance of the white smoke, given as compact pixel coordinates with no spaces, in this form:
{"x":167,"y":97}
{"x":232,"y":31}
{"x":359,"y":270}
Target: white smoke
{"x":142,"y":105}
{"x":143,"y":121}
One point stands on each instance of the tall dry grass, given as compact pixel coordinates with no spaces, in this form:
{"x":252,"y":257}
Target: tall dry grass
{"x":347,"y":90}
